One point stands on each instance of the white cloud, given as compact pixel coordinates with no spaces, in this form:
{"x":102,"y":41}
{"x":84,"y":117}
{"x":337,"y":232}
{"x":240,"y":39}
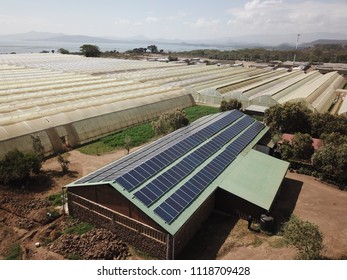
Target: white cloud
{"x":204,"y":23}
{"x":179,"y":16}
{"x":277,"y":16}
{"x":5,"y":19}
{"x":126,"y":22}
{"x":254,"y":4}
{"x":122,"y":22}
{"x":152,"y":19}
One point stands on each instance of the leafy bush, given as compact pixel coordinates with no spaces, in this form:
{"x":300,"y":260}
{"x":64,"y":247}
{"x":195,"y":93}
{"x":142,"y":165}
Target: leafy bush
{"x":305,"y":236}
{"x":16,"y":166}
{"x":230,"y":105}
{"x":64,"y":163}
{"x":169,"y":122}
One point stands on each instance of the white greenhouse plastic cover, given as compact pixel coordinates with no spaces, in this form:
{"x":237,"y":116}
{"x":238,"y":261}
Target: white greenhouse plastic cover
{"x":74,"y":99}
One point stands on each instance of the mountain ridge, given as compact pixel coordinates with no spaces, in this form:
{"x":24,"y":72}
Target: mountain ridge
{"x":238,"y":41}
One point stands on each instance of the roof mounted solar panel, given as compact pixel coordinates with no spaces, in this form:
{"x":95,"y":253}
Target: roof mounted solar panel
{"x":197,"y":157}
{"x":187,"y":193}
{"x":199,"y":130}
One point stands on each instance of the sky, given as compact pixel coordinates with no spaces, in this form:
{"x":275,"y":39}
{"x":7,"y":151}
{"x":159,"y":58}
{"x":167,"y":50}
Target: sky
{"x":175,"y":19}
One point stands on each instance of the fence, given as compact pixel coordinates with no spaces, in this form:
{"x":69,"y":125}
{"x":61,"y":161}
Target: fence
{"x":118,"y":218}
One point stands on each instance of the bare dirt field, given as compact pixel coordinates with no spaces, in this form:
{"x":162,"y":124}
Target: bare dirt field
{"x":23,"y":218}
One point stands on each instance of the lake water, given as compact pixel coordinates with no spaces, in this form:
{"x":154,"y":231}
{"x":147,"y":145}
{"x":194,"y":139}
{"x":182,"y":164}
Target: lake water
{"x":39,"y":46}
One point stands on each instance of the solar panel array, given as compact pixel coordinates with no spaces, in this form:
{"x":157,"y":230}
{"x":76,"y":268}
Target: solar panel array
{"x":174,"y":205}
{"x":154,"y":165}
{"x":167,"y":180}
{"x":124,"y":165}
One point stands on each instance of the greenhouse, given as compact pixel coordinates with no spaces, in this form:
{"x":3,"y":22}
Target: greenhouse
{"x":318,"y":94}
{"x":343,"y":108}
{"x":69,"y":109}
{"x":69,"y":100}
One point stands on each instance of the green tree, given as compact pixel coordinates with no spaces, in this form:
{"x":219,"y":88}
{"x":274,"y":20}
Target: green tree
{"x":289,"y":117}
{"x":16,"y":166}
{"x":305,"y":236}
{"x":38,"y":148}
{"x":169,"y":122}
{"x":302,"y":146}
{"x":286,"y":150}
{"x":334,"y":138}
{"x":230,"y":105}
{"x":127,"y":143}
{"x":90,"y":50}
{"x":327,"y":123}
{"x":63,"y":51}
{"x":331,"y":161}
{"x":153,"y":48}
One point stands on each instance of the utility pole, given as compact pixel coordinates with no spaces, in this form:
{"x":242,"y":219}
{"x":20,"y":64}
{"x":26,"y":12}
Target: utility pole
{"x":296,"y":48}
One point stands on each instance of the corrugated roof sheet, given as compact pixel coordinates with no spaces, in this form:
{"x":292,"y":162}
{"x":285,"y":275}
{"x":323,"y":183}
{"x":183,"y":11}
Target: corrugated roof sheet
{"x":255,"y":178}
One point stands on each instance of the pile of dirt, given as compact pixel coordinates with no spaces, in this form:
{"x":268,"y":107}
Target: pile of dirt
{"x":97,"y":244}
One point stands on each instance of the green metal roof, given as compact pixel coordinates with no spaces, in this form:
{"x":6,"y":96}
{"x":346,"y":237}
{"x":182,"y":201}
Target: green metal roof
{"x":235,"y":179}
{"x":256,"y":178}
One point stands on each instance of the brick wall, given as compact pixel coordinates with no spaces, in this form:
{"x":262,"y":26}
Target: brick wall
{"x":191,"y":227}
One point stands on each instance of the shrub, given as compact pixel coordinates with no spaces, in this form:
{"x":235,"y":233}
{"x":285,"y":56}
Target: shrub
{"x":230,"y":105}
{"x":15,"y":252}
{"x":169,"y":122}
{"x":16,"y":166}
{"x":305,"y":236}
{"x":64,"y":163}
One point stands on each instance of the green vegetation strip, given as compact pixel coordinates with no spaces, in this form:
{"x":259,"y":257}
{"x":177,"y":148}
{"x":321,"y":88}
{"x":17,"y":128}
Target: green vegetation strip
{"x":138,"y":134}
{"x":79,"y":229}
{"x":55,"y":199}
{"x":15,"y":252}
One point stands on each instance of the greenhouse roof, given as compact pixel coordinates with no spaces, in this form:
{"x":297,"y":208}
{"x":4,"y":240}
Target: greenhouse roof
{"x":170,"y":178}
{"x":343,"y":108}
{"x":305,"y":91}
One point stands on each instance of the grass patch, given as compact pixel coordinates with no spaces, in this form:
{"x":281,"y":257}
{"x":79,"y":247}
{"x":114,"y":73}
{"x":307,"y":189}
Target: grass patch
{"x":138,"y":134}
{"x":137,"y":254}
{"x":196,"y":112}
{"x":55,"y":199}
{"x":15,"y":252}
{"x":257,"y":241}
{"x":74,"y":257}
{"x":97,"y":148}
{"x":79,"y":229}
{"x":277,"y":242}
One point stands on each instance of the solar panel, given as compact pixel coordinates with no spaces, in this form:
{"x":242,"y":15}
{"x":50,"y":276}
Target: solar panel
{"x":196,"y":185}
{"x":196,"y":158}
{"x":169,"y":155}
{"x":121,"y":166}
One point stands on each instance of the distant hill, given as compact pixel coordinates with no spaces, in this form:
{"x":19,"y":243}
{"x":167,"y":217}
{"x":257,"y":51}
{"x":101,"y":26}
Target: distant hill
{"x":279,"y":42}
{"x":79,"y":38}
{"x":30,"y":36}
{"x":324,"y":42}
